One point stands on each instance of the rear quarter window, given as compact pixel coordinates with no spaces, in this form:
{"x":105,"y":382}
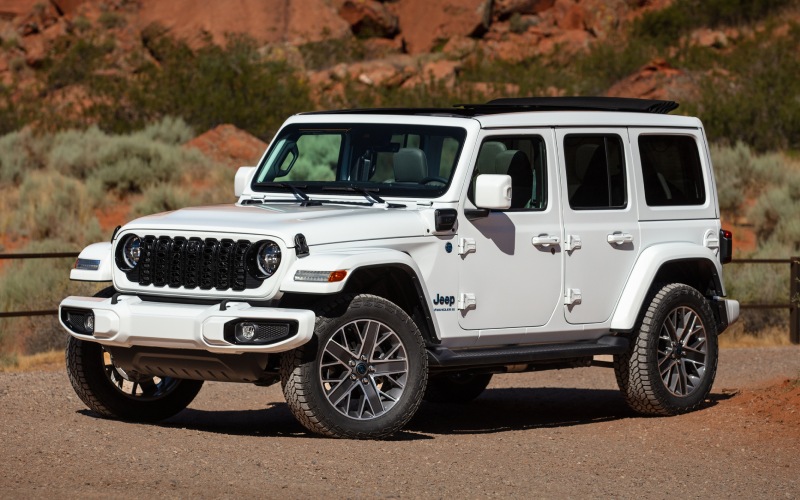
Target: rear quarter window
{"x":671,"y":169}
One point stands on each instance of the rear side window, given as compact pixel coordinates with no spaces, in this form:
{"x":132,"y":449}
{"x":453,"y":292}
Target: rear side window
{"x":671,"y":170}
{"x":595,"y":172}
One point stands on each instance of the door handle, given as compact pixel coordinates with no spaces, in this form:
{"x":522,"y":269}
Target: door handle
{"x":545,"y":240}
{"x":618,"y":238}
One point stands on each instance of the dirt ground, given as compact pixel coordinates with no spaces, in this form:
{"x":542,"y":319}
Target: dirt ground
{"x":549,"y":434}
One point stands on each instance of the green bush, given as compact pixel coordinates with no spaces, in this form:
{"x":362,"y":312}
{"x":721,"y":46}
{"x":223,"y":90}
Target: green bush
{"x":169,"y":130}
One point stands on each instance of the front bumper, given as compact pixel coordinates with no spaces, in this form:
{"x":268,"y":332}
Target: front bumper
{"x":129,"y":321}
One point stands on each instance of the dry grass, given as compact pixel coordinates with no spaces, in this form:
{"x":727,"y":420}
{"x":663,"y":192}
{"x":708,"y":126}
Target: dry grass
{"x":768,"y":337}
{"x":44,"y":361}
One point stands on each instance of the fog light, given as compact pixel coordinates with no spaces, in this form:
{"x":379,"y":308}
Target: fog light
{"x":88,"y":324}
{"x":245,"y":332}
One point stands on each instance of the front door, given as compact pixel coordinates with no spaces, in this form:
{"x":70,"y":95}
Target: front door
{"x":511,"y":260}
{"x":601,"y":228}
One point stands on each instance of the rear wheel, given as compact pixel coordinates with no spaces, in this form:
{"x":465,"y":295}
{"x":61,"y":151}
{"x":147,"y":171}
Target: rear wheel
{"x":673,"y":358}
{"x":459,"y":387}
{"x":364,"y":373}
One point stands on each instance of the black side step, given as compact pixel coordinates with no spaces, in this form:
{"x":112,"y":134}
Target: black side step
{"x":441,"y":357}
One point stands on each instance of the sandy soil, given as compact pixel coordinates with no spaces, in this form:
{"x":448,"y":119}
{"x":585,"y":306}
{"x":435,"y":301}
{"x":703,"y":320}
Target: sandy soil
{"x":550,"y":434}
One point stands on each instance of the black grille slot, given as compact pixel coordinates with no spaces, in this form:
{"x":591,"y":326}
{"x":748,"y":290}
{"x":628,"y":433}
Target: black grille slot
{"x":270,"y":332}
{"x":194,"y":263}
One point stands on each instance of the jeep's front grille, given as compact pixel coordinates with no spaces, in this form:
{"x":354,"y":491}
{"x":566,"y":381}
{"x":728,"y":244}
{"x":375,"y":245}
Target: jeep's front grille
{"x":193,"y":263}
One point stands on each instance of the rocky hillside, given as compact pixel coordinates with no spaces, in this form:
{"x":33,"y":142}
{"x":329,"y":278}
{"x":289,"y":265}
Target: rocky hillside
{"x":385,"y":44}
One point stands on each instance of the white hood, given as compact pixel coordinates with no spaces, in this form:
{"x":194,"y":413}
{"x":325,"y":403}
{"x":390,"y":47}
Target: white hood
{"x":328,"y":223}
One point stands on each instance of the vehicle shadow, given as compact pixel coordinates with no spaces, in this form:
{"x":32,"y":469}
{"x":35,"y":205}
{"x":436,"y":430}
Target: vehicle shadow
{"x":496,"y":410}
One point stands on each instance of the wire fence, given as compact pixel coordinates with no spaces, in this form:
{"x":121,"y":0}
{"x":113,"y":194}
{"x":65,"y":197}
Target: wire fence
{"x":791,"y":305}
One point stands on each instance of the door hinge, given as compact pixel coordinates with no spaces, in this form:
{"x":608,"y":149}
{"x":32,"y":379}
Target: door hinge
{"x":573,"y":296}
{"x":466,"y":301}
{"x":465,"y":246}
{"x":572,"y":242}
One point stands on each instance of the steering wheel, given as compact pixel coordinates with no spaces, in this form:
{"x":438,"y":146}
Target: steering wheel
{"x":426,"y":180}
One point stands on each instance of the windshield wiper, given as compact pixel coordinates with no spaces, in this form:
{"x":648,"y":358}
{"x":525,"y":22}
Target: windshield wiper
{"x":374,"y":198}
{"x":297,"y":192}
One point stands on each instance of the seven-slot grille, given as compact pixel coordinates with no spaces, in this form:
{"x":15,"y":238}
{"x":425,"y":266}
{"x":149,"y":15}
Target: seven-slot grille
{"x":193,"y":263}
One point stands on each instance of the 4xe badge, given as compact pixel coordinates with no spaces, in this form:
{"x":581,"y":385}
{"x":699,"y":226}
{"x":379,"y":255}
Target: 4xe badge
{"x":445,"y":303}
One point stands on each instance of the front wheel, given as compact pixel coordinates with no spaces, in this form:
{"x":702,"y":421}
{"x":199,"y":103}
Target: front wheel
{"x":673,"y":357}
{"x":363,"y":374}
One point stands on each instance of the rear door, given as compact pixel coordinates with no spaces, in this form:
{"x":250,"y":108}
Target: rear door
{"x":601,"y":229}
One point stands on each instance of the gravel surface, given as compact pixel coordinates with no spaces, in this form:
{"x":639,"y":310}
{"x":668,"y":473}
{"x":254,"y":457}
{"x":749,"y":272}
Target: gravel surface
{"x":550,"y":434}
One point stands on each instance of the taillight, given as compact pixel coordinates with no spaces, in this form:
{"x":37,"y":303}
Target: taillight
{"x":725,"y":246}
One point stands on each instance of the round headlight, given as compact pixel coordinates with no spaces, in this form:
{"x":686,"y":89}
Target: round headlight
{"x":131,"y":251}
{"x":268,"y":258}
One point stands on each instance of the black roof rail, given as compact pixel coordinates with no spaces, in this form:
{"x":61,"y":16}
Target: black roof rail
{"x":522,"y":104}
{"x":579,"y":103}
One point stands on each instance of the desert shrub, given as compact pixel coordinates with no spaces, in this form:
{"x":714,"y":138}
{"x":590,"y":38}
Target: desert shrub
{"x":169,"y":130}
{"x":22,"y":152}
{"x":129,"y":164}
{"x":776,"y":213}
{"x":666,"y":26}
{"x":75,"y":60}
{"x":755,"y":99}
{"x":28,"y":285}
{"x":75,"y":152}
{"x":53,"y":206}
{"x":207,"y":87}
{"x":162,"y":198}
{"x":110,"y":20}
{"x":741,"y":173}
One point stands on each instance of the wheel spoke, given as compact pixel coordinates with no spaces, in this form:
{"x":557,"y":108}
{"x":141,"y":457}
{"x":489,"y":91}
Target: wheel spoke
{"x":339,"y":352}
{"x":370,"y":339}
{"x":372,"y":396}
{"x":343,"y":389}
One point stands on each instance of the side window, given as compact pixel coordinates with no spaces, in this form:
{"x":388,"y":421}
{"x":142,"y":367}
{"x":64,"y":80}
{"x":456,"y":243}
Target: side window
{"x":671,"y":170}
{"x":524,"y":159}
{"x":595,"y":171}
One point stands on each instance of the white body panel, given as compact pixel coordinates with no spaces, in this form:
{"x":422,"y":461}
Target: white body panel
{"x":100,"y":255}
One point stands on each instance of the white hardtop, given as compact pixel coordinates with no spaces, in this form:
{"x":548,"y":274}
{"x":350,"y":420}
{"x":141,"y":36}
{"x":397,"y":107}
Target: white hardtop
{"x":520,"y":119}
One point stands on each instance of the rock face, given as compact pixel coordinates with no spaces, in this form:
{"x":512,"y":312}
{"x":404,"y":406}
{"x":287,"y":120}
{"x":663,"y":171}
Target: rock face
{"x":368,"y":18}
{"x":426,"y":23}
{"x":267,"y":21}
{"x":229,"y":146}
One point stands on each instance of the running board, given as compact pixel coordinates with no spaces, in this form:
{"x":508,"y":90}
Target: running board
{"x":441,"y":357}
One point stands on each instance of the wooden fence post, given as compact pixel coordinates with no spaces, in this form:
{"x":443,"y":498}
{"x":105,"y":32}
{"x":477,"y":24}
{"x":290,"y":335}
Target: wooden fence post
{"x":794,"y":296}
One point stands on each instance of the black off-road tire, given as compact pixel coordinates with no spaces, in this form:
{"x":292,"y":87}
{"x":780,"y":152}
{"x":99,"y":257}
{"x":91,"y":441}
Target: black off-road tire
{"x":301,"y":380}
{"x":456,"y":388}
{"x":637,"y":372}
{"x":87,"y":370}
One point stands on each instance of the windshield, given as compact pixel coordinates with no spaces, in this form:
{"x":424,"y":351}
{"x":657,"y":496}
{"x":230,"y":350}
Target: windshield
{"x":393,"y":160}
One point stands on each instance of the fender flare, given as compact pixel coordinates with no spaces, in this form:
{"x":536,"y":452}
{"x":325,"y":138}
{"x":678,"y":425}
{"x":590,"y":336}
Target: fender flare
{"x":96,"y":254}
{"x":351,"y":260}
{"x":647,"y":266}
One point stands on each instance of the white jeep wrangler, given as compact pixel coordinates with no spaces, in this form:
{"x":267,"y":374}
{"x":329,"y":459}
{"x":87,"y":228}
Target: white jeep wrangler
{"x":379,"y":257}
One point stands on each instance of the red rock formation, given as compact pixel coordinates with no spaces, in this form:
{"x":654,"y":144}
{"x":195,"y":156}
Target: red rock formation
{"x":295,"y":21}
{"x":229,"y":146}
{"x":424,"y":23}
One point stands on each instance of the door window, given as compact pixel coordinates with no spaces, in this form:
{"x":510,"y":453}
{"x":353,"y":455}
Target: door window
{"x":595,"y":171}
{"x":521,"y":157}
